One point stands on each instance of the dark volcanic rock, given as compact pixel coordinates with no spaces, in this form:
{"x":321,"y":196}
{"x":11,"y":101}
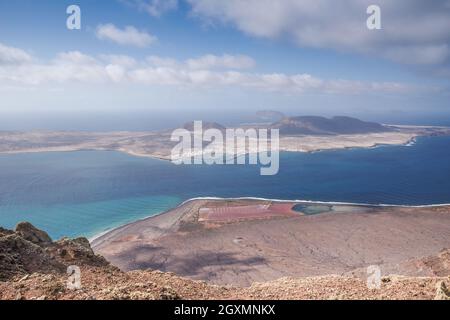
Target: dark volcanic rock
{"x":29,"y":232}
{"x":313,"y":125}
{"x":20,"y":256}
{"x":5,"y":232}
{"x":29,"y":250}
{"x":76,"y":251}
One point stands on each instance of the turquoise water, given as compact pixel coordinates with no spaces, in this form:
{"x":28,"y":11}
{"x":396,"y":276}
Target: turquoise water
{"x":310,"y":210}
{"x":85,"y":193}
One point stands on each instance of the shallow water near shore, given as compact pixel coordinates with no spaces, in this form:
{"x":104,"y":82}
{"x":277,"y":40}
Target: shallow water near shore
{"x":89,"y":192}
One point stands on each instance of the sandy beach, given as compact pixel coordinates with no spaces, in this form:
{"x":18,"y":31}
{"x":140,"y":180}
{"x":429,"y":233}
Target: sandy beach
{"x":236,"y":242}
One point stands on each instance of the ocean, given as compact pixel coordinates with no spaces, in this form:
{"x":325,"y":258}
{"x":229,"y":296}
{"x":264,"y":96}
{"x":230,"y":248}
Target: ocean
{"x":88,"y":192}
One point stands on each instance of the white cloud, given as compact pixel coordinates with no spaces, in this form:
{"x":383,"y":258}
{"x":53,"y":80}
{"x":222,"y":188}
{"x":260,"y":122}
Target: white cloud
{"x":226,"y":61}
{"x":210,"y":72}
{"x":128,"y":36}
{"x":121,"y":60}
{"x":163,"y":62}
{"x":75,"y":57}
{"x":116,"y":72}
{"x":207,"y":61}
{"x":11,"y":55}
{"x":413,"y":31}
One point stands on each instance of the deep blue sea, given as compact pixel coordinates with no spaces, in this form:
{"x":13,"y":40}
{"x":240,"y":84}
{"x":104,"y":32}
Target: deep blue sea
{"x":85,"y":193}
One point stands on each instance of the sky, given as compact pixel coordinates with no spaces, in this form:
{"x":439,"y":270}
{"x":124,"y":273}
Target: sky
{"x":137,"y":64}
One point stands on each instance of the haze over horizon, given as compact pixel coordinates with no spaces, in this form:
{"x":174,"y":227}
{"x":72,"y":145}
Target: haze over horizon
{"x":150,"y":64}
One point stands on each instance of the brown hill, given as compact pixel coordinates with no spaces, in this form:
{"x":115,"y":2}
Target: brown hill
{"x":313,"y":125}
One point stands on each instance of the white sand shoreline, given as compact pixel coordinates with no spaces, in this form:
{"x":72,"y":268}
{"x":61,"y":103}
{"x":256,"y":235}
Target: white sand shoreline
{"x":99,"y":235}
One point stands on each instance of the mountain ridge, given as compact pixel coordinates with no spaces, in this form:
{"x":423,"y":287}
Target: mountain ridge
{"x":316,"y":125}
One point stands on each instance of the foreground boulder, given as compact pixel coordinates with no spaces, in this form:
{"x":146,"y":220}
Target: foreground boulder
{"x":19,"y":257}
{"x":29,"y":250}
{"x":29,"y":232}
{"x":76,"y":251}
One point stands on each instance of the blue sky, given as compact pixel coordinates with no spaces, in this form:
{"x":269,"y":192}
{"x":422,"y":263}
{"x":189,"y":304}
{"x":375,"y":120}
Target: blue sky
{"x":211,"y":57}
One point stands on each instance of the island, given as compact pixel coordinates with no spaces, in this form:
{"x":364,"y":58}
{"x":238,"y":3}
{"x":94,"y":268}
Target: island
{"x":297,"y":134}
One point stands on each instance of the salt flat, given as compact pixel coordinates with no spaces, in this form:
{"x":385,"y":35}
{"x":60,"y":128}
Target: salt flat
{"x":243,"y":251}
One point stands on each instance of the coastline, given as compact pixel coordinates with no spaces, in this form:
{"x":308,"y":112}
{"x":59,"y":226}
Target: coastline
{"x":159,"y":146}
{"x":297,"y":201}
{"x":241,"y":241}
{"x":104,"y":233}
{"x":408,"y":142}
